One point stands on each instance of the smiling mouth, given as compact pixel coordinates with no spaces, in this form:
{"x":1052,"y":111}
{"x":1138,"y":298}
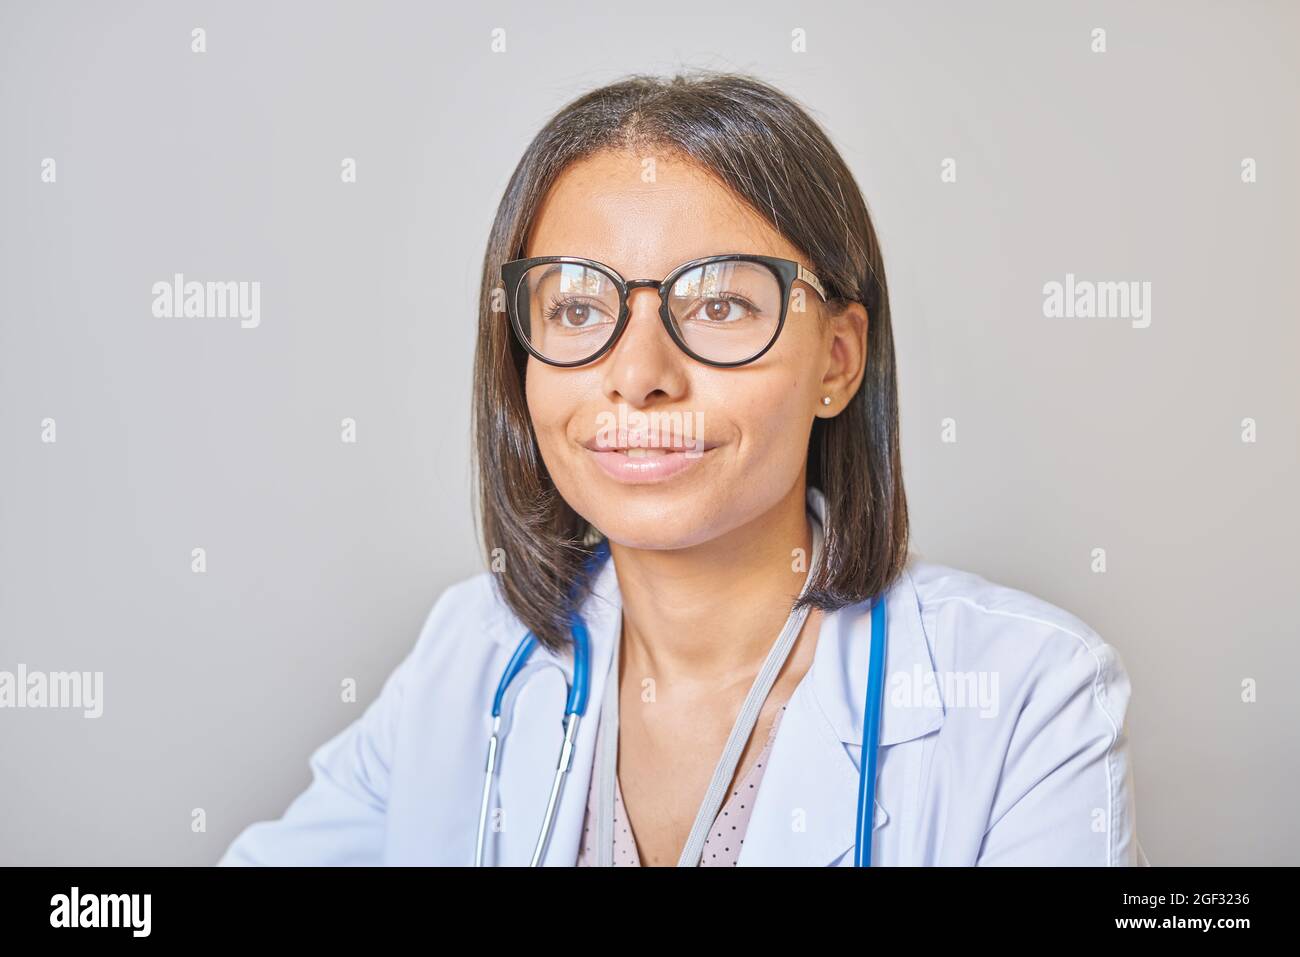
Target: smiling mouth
{"x":648,"y":464}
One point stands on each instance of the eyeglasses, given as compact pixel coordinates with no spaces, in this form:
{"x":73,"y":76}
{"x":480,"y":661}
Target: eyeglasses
{"x":721,"y":310}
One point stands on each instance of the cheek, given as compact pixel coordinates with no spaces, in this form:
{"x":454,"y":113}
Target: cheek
{"x":779,"y":406}
{"x":545,"y":397}
{"x":774,"y":420}
{"x":554,"y":398}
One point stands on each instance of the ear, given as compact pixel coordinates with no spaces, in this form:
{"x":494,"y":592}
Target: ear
{"x":845,"y":356}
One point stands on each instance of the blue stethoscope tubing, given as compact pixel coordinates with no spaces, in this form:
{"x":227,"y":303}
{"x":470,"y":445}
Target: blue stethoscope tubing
{"x":576,"y":707}
{"x":870,"y":733}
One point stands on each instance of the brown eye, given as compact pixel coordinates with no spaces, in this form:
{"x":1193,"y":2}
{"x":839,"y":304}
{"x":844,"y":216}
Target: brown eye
{"x":577,"y":314}
{"x":718,"y":310}
{"x":721,"y":311}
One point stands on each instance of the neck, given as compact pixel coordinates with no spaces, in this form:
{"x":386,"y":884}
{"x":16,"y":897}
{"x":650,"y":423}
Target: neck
{"x":710,"y":613}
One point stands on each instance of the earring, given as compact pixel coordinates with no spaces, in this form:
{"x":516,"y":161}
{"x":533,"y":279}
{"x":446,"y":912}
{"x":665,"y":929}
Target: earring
{"x":826,"y":400}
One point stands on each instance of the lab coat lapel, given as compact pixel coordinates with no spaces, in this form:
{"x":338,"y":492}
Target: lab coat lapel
{"x":805,"y":811}
{"x":531,"y":741}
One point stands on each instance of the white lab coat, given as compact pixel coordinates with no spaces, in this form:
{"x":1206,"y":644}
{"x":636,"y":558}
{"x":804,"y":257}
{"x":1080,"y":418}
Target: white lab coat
{"x":1038,"y":773}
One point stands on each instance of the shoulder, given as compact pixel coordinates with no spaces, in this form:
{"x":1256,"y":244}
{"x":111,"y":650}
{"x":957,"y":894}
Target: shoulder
{"x":1033,"y":731}
{"x":1035,"y":649}
{"x":469,"y":617}
{"x":476,"y":594}
{"x":942,"y":590}
{"x":988,"y":617}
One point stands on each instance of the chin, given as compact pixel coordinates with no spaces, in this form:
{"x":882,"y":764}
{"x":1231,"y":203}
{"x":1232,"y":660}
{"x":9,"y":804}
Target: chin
{"x":655,"y":522}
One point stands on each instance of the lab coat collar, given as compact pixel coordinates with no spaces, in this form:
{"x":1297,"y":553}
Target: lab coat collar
{"x":806,"y":808}
{"x":913,"y":706}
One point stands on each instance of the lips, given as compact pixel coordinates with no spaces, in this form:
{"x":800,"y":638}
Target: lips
{"x":631,"y":463}
{"x":644,"y":466}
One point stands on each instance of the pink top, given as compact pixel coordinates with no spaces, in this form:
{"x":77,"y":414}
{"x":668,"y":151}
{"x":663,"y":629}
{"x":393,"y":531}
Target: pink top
{"x":721,"y":847}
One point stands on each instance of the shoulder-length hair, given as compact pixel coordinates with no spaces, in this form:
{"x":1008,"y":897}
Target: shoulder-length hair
{"x":775,"y":157}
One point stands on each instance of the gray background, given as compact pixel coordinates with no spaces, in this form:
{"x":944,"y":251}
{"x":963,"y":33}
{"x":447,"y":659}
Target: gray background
{"x":324,"y":558}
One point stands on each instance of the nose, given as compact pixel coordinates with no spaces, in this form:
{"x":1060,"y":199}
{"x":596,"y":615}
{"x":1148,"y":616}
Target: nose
{"x":645,"y":364}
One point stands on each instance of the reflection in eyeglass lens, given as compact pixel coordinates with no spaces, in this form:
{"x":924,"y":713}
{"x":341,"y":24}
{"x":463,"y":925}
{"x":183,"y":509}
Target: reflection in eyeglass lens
{"x":569,"y":310}
{"x":726,"y":311}
{"x":722,"y":311}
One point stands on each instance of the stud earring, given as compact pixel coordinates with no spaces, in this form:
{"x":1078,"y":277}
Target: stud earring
{"x":826,"y":400}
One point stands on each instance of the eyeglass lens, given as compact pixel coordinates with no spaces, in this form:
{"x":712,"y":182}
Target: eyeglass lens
{"x":723,"y":311}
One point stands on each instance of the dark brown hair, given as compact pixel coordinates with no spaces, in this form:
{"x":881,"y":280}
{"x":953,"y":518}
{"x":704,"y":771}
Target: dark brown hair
{"x":771,"y":153}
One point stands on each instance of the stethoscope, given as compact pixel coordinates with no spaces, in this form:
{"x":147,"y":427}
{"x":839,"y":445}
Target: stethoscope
{"x":576,"y":707}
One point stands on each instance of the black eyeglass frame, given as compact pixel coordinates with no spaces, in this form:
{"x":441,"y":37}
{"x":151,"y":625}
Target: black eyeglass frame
{"x":785,"y":270}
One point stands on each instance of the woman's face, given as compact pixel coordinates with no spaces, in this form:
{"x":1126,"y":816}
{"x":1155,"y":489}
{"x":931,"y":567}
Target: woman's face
{"x":754,"y":421}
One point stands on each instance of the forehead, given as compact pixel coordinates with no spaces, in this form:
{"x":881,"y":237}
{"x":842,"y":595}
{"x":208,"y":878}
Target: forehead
{"x":643,"y":219}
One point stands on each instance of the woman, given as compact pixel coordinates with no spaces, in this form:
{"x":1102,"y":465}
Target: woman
{"x":691,"y":494}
